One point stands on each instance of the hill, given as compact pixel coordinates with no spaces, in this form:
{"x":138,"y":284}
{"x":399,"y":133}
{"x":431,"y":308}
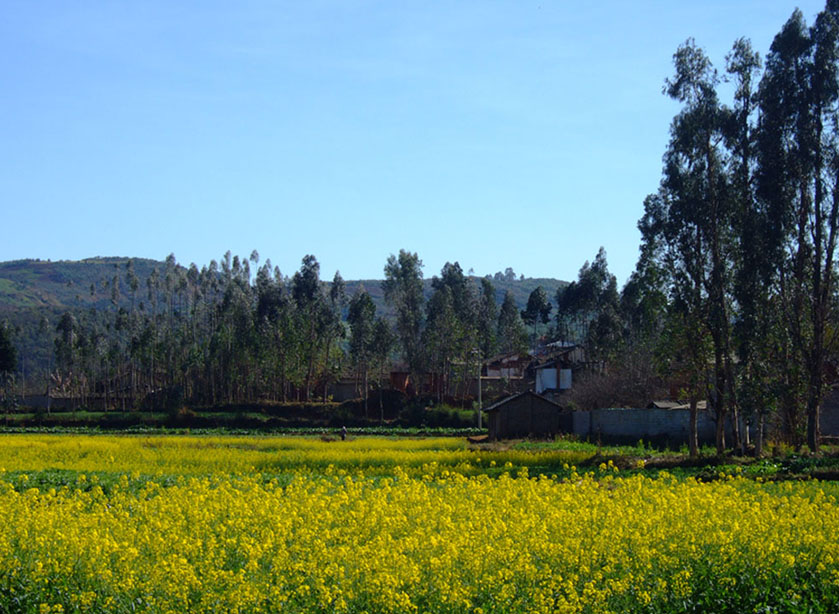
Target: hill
{"x":72,"y":284}
{"x":65,"y":284}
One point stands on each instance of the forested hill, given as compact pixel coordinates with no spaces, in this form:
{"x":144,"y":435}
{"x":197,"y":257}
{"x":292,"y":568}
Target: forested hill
{"x":67,"y":284}
{"x":35,"y":293}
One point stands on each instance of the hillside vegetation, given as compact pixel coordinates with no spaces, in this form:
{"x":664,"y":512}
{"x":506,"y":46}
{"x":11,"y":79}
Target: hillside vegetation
{"x":66,"y":284}
{"x":35,"y":293}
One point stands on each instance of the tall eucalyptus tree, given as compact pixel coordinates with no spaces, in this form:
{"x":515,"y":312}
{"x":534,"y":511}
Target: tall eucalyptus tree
{"x":362,"y":320}
{"x":402,"y":288}
{"x":697,"y":213}
{"x":799,"y":181}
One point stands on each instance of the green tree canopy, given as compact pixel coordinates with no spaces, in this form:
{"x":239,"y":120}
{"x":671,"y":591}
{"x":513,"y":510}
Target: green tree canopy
{"x":8,"y":353}
{"x":402,"y":288}
{"x":512,"y":336}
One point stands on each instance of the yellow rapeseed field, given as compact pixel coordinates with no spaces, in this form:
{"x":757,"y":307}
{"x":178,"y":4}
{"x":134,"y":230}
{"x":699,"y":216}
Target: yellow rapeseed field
{"x":180,"y":455}
{"x":192,"y":524}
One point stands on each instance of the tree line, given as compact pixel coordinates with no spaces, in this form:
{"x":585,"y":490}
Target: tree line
{"x":210,"y":336}
{"x":237,"y":331}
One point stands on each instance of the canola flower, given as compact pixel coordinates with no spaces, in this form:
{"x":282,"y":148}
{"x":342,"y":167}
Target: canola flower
{"x":179,"y":455}
{"x":341,"y":541}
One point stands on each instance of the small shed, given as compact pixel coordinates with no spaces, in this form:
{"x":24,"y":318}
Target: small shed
{"x":527,"y":414}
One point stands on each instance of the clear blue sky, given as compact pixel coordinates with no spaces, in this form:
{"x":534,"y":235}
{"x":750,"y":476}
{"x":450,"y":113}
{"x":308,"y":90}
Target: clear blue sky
{"x":499,"y":134}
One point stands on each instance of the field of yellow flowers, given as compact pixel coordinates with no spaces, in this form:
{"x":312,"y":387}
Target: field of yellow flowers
{"x":267,"y":524}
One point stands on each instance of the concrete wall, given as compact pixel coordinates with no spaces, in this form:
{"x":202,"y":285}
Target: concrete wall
{"x":565,"y":377}
{"x":545,"y":380}
{"x":829,"y":414}
{"x":344,"y":391}
{"x":630,"y":425}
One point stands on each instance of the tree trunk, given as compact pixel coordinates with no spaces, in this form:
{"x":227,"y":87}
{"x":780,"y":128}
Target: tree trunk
{"x":326,"y":372}
{"x":740,"y":437}
{"x":366,"y":390}
{"x":720,"y":434}
{"x":283,"y":385}
{"x":813,"y":402}
{"x":381,"y":400}
{"x":693,"y":435}
{"x":761,"y":416}
{"x":719,"y":401}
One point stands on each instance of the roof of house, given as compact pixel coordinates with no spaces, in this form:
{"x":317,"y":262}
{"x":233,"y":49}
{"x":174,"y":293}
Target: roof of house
{"x":508,"y":357}
{"x":556,"y":355}
{"x":498,"y":404}
{"x":701,"y":405}
{"x":548,"y":363}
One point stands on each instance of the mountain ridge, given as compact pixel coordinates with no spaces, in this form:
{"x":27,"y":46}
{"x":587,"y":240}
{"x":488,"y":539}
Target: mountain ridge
{"x":69,"y":284}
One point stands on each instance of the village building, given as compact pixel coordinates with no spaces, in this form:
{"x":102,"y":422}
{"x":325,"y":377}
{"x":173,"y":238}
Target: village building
{"x":526,"y":414}
{"x":510,"y":366}
{"x":553,"y":376}
{"x":554,"y":373}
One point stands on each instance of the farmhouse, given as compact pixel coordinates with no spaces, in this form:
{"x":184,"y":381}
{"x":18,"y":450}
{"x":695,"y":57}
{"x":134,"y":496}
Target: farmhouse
{"x":526,"y":415}
{"x":511,"y":366}
{"x":553,"y":374}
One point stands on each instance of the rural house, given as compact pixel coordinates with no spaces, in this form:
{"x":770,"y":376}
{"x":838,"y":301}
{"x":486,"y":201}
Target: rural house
{"x":553,"y":374}
{"x":510,"y":366}
{"x":527,"y":414}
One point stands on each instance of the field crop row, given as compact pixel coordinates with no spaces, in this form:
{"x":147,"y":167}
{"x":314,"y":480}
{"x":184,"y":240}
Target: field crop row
{"x":340,"y":540}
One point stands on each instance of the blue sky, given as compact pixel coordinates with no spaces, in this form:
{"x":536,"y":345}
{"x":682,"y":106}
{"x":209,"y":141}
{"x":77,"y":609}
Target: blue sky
{"x":498,"y":134}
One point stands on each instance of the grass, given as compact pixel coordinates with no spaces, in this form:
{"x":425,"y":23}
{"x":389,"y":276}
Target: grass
{"x":321,"y":431}
{"x":273,"y":419}
{"x":12,"y":294}
{"x":785,"y":464}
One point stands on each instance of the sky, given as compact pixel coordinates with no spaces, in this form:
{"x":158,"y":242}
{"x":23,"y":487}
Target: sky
{"x":520,"y":134}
